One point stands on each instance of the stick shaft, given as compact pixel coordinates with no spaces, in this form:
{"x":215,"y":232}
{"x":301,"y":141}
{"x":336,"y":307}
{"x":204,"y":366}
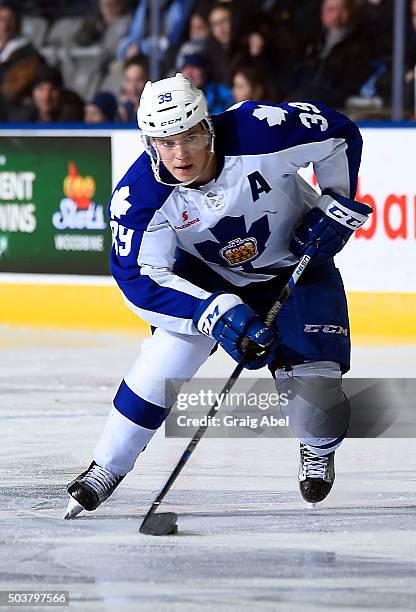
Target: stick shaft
{"x":270,"y":318}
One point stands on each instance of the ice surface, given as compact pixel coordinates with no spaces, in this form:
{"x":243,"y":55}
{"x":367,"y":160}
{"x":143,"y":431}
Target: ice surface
{"x":246,"y":539}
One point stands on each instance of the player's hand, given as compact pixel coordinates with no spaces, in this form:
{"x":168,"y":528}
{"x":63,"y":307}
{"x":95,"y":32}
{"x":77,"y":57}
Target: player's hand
{"x":329,"y":226}
{"x":238,"y":329}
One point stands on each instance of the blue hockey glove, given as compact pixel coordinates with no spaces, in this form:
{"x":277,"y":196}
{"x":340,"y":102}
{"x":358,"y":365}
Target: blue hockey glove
{"x":329,"y":226}
{"x":226,"y":318}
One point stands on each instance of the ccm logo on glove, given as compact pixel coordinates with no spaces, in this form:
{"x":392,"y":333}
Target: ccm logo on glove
{"x":349,"y":212}
{"x":329,"y":226}
{"x":345,"y":218}
{"x":226,"y":318}
{"x":215,"y":306}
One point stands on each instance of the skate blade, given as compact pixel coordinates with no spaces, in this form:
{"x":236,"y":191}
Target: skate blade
{"x":73,"y":509}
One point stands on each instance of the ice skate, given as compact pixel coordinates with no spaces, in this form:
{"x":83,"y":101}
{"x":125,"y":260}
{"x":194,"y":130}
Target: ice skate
{"x":316,"y":475}
{"x":90,"y":489}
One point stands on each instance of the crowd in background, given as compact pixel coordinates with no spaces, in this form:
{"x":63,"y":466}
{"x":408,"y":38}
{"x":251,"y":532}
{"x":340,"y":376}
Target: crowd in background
{"x":89,"y":60}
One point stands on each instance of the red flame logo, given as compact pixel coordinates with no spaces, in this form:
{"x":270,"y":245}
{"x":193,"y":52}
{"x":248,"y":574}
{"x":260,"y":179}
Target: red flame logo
{"x":80,"y":189}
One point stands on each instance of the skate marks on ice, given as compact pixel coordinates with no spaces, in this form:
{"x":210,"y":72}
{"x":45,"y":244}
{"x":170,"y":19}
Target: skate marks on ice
{"x":246,"y":540}
{"x":234,"y":545}
{"x":254,"y":562}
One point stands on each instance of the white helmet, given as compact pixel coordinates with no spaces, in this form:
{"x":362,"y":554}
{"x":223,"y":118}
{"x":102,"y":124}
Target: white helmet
{"x":168,"y":107}
{"x":171,"y":106}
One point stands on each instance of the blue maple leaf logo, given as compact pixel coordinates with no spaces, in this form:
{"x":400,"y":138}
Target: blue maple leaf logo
{"x":236,"y":245}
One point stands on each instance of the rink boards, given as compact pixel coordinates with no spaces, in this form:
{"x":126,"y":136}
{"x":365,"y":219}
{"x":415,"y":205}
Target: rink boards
{"x":377,"y":265}
{"x":96,"y":304}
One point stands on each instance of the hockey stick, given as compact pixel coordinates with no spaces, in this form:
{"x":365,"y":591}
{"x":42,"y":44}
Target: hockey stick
{"x":164,"y":523}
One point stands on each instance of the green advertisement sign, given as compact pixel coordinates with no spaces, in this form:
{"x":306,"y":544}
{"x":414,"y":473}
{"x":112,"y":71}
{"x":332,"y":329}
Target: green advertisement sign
{"x":53,"y":195}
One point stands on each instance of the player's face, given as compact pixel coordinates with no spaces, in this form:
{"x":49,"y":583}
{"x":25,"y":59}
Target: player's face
{"x":186,"y":155}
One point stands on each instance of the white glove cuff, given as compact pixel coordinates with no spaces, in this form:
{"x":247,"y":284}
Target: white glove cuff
{"x":215,"y":311}
{"x":347,"y":217}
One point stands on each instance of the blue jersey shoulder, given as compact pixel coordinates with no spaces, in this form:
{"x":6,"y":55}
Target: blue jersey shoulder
{"x":137,"y":195}
{"x":253,"y":128}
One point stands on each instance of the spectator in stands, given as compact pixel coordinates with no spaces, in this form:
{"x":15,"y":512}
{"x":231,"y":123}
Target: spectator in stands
{"x":198,"y":27}
{"x":220,"y":21}
{"x":174,"y":16}
{"x":198,"y":36}
{"x":273,"y":57}
{"x":102,"y":108}
{"x":376,"y":17}
{"x":18,"y":59}
{"x":294,"y":23}
{"x":277,"y":37}
{"x":105,"y":26}
{"x":135,"y":76}
{"x":54,"y":9}
{"x":338,"y":62}
{"x":377,"y":20}
{"x":243,"y":14}
{"x":221,"y":45}
{"x":197,"y":69}
{"x":253,"y":83}
{"x":51,"y":102}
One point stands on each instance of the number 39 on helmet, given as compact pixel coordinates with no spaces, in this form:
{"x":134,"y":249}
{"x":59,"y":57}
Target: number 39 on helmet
{"x":167,"y":107}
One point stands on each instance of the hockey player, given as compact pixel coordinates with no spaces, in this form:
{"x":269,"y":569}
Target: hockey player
{"x":207,"y":226}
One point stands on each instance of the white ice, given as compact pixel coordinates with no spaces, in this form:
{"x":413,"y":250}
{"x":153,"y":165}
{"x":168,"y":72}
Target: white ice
{"x":246,"y":540}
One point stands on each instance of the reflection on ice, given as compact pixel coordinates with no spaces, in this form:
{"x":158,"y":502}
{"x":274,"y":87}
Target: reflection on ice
{"x":246,"y":540}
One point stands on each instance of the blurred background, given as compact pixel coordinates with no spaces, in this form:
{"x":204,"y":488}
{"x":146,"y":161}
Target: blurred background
{"x":89,"y":60}
{"x":71,"y":75}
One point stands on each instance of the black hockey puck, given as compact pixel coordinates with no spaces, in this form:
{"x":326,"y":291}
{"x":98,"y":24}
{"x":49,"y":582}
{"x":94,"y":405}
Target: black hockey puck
{"x":160,"y":524}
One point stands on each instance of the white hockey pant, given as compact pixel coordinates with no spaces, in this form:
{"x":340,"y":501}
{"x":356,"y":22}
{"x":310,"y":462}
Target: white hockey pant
{"x":149,"y":390}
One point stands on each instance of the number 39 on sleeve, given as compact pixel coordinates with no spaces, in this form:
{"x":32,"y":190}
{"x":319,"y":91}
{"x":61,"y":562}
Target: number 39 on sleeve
{"x":122,"y":238}
{"x":312,"y":115}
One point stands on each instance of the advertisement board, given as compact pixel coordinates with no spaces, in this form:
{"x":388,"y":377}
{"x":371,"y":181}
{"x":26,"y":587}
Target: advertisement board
{"x":54,"y":187}
{"x":380,"y":256}
{"x":53,"y":194}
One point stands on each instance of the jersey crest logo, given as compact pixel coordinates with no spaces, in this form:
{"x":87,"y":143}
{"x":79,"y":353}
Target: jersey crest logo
{"x":273,"y":114}
{"x":119,"y":202}
{"x":234,"y":243}
{"x":239,"y":251}
{"x":214,"y":199}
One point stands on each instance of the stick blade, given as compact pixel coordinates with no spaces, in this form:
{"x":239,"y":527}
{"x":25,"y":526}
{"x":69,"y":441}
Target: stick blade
{"x":160,"y":524}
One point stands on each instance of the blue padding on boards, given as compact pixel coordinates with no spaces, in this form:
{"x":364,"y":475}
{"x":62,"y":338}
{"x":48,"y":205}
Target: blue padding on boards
{"x":138,"y":410}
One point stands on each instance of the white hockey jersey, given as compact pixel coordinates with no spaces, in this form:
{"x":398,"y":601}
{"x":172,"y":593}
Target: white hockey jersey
{"x":240,"y":224}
